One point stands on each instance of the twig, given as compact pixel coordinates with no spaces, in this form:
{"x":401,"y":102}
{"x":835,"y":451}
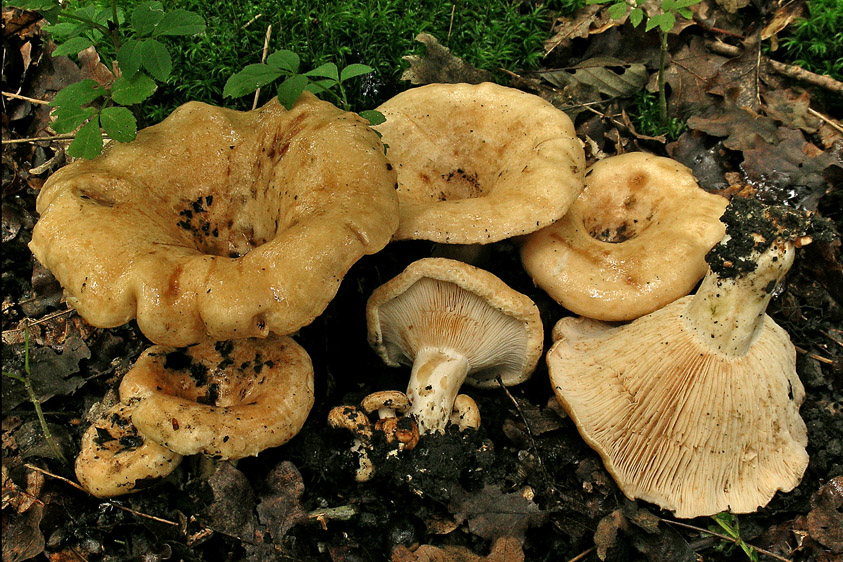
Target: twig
{"x":832,"y":338}
{"x":819,"y":358}
{"x":263,"y":59}
{"x":451,"y":25}
{"x":24,"y":98}
{"x":251,"y":21}
{"x":64,"y":137}
{"x":831,"y":122}
{"x":725,"y":538}
{"x":110,"y":502}
{"x":583,"y":554}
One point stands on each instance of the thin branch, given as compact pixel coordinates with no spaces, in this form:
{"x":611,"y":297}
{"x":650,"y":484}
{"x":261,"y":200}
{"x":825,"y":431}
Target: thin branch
{"x":819,"y":358}
{"x":726,"y":538}
{"x":263,"y":59}
{"x":25,"y":98}
{"x":64,"y":137}
{"x":583,"y":554}
{"x":831,"y":122}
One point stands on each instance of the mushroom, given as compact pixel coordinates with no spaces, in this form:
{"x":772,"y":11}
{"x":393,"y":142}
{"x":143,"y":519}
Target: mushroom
{"x":355,"y":420}
{"x":453,"y":322}
{"x":116,"y":459}
{"x":633,"y":241}
{"x":694,"y":407}
{"x":479,"y":163}
{"x":226,"y":400}
{"x":219,"y":223}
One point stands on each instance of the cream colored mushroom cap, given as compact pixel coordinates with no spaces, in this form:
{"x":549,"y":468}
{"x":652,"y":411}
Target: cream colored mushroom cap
{"x":218,"y":222}
{"x":449,"y":304}
{"x":691,"y":430}
{"x":114,"y":458}
{"x":633,"y":241}
{"x":479,"y":163}
{"x":227,"y":400}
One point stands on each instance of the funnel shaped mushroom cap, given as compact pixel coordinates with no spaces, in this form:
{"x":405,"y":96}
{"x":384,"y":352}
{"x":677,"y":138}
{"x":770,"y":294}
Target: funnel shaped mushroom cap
{"x":217,"y":222}
{"x":479,"y":163}
{"x":633,"y":241}
{"x":683,"y":414}
{"x":227,"y":400}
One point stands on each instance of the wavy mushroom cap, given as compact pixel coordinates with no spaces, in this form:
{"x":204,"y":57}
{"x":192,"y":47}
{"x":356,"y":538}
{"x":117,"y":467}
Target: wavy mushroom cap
{"x":227,"y":400}
{"x":116,"y":459}
{"x":633,"y":241}
{"x":479,"y":163}
{"x":217,"y":222}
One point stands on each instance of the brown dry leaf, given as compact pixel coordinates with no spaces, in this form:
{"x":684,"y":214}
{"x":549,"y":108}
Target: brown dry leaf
{"x":491,"y":513}
{"x":280,"y":509}
{"x":825,"y":520}
{"x":505,"y":549}
{"x":743,"y":129}
{"x":791,"y":109}
{"x":737,"y":79}
{"x":233,"y":510}
{"x":439,"y":65}
{"x":22,"y":537}
{"x":23,"y":23}
{"x":732,"y":6}
{"x":585,"y":21}
{"x":688,"y":73}
{"x":607,"y":75}
{"x":707,"y":162}
{"x":606,"y":535}
{"x":783,"y":17}
{"x":89,"y":61}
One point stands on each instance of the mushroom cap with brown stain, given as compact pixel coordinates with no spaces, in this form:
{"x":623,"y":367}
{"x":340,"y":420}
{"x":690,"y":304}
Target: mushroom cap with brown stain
{"x":479,"y":163}
{"x":633,"y":241}
{"x":226,"y":400}
{"x":116,"y":459}
{"x":447,"y":304}
{"x":218,"y":222}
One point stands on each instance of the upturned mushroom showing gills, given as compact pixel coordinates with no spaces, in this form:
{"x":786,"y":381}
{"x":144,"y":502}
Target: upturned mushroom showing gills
{"x":226,"y":400}
{"x":479,"y":163}
{"x":219,"y":223}
{"x":694,"y":407}
{"x":633,"y":241}
{"x":454,"y":323}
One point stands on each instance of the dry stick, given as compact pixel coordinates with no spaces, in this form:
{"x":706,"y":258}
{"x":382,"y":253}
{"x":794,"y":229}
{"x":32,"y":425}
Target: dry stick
{"x":24,"y":98}
{"x":831,"y":122}
{"x":583,"y":554}
{"x":263,"y":59}
{"x":726,"y":538}
{"x":110,"y":502}
{"x":64,"y":137}
{"x":814,"y":355}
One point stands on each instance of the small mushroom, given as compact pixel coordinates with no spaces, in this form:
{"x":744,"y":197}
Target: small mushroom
{"x":479,"y":163}
{"x":226,"y":400}
{"x":355,"y":420}
{"x":633,"y":241}
{"x":219,"y":223}
{"x":453,"y":322}
{"x":387,"y":403}
{"x":694,"y":407}
{"x":116,"y":459}
{"x":465,"y":414}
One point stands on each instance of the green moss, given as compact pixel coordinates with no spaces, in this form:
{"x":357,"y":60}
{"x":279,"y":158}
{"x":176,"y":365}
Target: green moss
{"x":816,"y":42}
{"x":644,"y":113}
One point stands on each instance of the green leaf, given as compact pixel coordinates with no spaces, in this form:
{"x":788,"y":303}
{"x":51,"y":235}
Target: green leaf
{"x":180,"y":22}
{"x":373,"y":116}
{"x":249,"y":79}
{"x":88,"y":141}
{"x":320,"y":86}
{"x":686,"y":13}
{"x":72,"y":46}
{"x":284,"y":60}
{"x":290,"y":89}
{"x":353,"y":70}
{"x":598,"y":1}
{"x":69,"y":117}
{"x":129,"y":91}
{"x":668,"y":5}
{"x":654,"y":21}
{"x":146,"y":16}
{"x":617,"y":11}
{"x":327,"y":70}
{"x":636,"y":16}
{"x":130,"y":57}
{"x":156,"y":59}
{"x":79,"y":93}
{"x":119,"y":123}
{"x":667,"y":23}
{"x":32,"y":5}
{"x":686,"y":3}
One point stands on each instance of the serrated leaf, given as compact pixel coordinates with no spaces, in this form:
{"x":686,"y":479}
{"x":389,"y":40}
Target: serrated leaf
{"x":130,"y":57}
{"x":79,"y":93}
{"x":290,"y":90}
{"x":609,"y":76}
{"x":354,"y":70}
{"x":284,"y":60}
{"x":88,"y":141}
{"x":69,"y":117}
{"x":129,"y":91}
{"x":320,"y":86}
{"x":180,"y":22}
{"x":72,"y":46}
{"x":617,"y":11}
{"x":119,"y":123}
{"x":636,"y":16}
{"x":373,"y":116}
{"x":156,"y":59}
{"x":249,"y":79}
{"x":327,"y":70}
{"x":146,"y":16}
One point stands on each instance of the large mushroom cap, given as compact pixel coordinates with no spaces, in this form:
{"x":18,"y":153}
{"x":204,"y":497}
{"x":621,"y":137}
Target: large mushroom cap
{"x":479,"y":163}
{"x":633,"y":241}
{"x":227,"y":400}
{"x":453,"y":322}
{"x":217,"y":222}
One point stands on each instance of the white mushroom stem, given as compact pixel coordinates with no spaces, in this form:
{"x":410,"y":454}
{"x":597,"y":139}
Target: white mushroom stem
{"x":728,"y":313}
{"x":434,"y":383}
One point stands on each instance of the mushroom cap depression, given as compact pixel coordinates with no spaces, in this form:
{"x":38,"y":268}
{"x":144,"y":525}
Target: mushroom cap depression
{"x":218,"y":222}
{"x":116,"y":459}
{"x":633,"y":241}
{"x":479,"y":163}
{"x":227,"y":400}
{"x":447,"y":304}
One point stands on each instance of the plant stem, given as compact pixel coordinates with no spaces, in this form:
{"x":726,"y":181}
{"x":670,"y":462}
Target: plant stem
{"x":662,"y":95}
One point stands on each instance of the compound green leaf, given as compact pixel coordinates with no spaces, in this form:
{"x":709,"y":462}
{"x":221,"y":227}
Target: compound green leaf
{"x":79,"y":93}
{"x":290,"y":89}
{"x":249,"y":79}
{"x":130,"y":57}
{"x":69,"y":117}
{"x":320,"y":86}
{"x":617,"y":11}
{"x":146,"y":16}
{"x":636,"y":16}
{"x":353,"y":70}
{"x":327,"y":70}
{"x":129,"y":91}
{"x":373,"y":116}
{"x":156,"y":59}
{"x":88,"y":141}
{"x":180,"y":22}
{"x":284,"y":60}
{"x":119,"y":123}
{"x":72,"y":46}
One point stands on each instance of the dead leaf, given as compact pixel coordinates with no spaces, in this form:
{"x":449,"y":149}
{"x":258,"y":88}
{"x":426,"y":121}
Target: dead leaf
{"x":606,"y":535}
{"x":491,"y":513}
{"x":732,"y":6}
{"x":89,"y":61}
{"x":791,"y":110}
{"x":233,"y":510}
{"x":280,"y":509}
{"x":825,"y":520}
{"x":743,"y":129}
{"x":688,"y":73}
{"x":607,"y":75}
{"x":23,"y":23}
{"x":737,"y":79}
{"x":505,"y":549}
{"x":706,"y":162}
{"x":439,"y":65}
{"x":784,"y":16}
{"x":22,"y":537}
{"x":585,"y":21}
